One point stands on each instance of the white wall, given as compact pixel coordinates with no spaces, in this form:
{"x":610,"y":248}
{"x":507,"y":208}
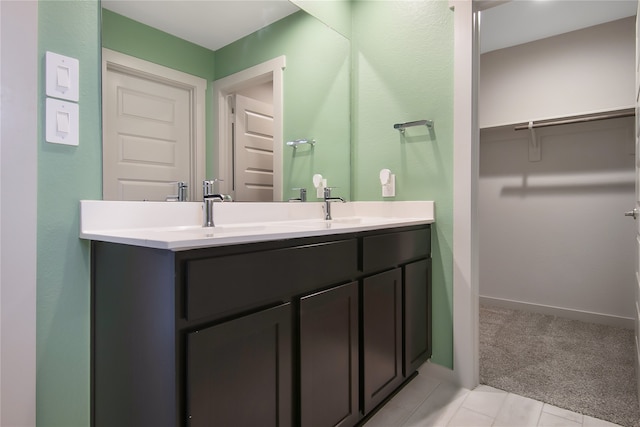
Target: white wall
{"x":552,"y":233}
{"x":18,"y":181}
{"x":579,"y":72}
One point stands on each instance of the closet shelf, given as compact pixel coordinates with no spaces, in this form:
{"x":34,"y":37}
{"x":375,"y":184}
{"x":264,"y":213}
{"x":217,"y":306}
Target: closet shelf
{"x":577,"y":119}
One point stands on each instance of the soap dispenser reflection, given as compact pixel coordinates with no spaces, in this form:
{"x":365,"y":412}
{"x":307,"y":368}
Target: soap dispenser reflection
{"x":388,"y":182}
{"x":320,"y":184}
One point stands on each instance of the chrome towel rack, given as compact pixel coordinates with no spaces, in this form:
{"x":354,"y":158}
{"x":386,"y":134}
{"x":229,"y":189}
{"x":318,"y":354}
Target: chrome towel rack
{"x":301,"y":141}
{"x":402,"y":126}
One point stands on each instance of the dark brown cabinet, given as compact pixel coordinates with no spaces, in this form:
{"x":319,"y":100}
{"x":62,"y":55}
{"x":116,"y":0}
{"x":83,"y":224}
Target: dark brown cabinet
{"x":329,"y":358}
{"x":239,"y":372}
{"x":311,"y":332}
{"x":382,"y":336}
{"x":417,"y":314}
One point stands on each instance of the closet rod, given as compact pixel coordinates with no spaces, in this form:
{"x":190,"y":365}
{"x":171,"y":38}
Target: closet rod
{"x":582,"y":119}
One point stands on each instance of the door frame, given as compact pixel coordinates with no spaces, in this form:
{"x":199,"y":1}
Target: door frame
{"x":272,"y":70}
{"x":195,"y":86}
{"x":636,"y":204}
{"x":465,"y":188}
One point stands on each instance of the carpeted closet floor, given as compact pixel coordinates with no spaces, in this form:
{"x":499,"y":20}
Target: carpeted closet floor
{"x":584,"y":367}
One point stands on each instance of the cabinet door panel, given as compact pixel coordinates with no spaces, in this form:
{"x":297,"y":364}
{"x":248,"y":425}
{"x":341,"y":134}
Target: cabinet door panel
{"x":239,"y":372}
{"x":382,"y":340}
{"x":417,"y":314}
{"x":329,"y":357}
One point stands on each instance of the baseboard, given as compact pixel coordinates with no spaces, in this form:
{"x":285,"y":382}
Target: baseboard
{"x":584,"y":316}
{"x":637,"y":320}
{"x":438,"y":372}
{"x":638,"y":367}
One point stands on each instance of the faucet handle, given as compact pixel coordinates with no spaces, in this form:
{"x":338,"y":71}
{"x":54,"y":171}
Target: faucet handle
{"x":182,"y":191}
{"x":208,"y":189}
{"x":302,"y":192}
{"x":181,"y":195}
{"x":327,"y":191}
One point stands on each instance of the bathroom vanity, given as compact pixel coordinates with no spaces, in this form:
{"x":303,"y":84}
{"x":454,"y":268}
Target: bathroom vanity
{"x":298,"y":322}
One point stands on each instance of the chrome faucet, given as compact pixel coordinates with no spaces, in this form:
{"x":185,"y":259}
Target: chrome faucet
{"x":182,"y":193}
{"x":303,"y":195}
{"x":208,"y":197}
{"x":327,"y":202}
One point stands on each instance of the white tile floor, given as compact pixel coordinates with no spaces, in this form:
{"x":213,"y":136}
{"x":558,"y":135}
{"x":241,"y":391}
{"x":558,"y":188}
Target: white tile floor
{"x":427,"y":401}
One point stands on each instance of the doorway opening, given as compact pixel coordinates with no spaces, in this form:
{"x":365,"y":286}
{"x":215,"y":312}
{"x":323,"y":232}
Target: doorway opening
{"x":520,"y":193}
{"x":248,"y":142}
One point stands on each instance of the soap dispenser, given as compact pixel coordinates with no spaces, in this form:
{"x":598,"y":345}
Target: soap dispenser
{"x":319,"y":183}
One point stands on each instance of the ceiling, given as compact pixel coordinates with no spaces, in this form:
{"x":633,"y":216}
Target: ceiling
{"x":208,"y":23}
{"x":214,"y":23}
{"x":521,"y":21}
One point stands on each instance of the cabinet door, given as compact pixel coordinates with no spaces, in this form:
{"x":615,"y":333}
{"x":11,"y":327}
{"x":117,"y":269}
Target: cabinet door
{"x":417,"y":314}
{"x":329,"y":357}
{"x":382,"y":336}
{"x":239,"y":372}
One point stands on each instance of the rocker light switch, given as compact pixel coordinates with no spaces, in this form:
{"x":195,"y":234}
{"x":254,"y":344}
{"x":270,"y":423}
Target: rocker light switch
{"x":62,"y":125}
{"x":62,"y":79}
{"x":63,"y":121}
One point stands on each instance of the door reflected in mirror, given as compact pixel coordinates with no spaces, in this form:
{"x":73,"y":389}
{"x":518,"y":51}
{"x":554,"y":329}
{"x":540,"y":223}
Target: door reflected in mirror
{"x":311,"y":100}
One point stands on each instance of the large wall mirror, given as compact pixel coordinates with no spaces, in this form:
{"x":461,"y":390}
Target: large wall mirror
{"x":255,"y":93}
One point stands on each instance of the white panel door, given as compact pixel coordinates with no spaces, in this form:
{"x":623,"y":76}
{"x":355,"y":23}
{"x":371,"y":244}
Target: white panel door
{"x":253,"y":153}
{"x":147,"y":137}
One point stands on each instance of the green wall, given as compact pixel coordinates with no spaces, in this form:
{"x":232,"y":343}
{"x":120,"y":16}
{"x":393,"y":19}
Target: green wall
{"x":141,"y":41}
{"x":66,"y":175}
{"x":336,"y":14}
{"x":403,"y":71}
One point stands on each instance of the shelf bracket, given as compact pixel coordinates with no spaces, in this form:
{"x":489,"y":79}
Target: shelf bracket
{"x":534,"y":144}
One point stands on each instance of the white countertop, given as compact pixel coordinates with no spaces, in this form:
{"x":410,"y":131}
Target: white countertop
{"x":178,"y":225}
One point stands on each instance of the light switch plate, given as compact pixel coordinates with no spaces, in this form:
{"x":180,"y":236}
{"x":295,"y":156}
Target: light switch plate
{"x":389,"y":189}
{"x":62,"y":126}
{"x":62,"y":77}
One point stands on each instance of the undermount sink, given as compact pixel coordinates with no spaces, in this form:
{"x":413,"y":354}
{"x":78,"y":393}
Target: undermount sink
{"x":215,"y":231}
{"x":338,"y":222}
{"x":358,"y":220}
{"x":276,"y":226}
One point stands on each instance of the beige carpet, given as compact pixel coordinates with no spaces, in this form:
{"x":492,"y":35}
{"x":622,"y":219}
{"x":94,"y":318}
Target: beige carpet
{"x":583,"y":367}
